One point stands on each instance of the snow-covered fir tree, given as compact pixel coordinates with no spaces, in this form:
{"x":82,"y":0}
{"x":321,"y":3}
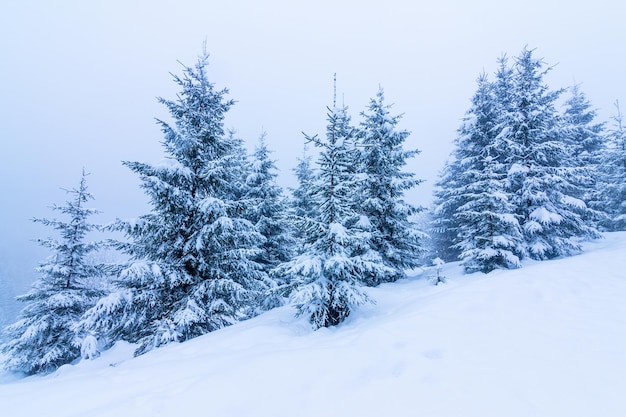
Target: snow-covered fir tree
{"x":548,"y":203}
{"x":582,"y":133}
{"x":448,"y":193}
{"x":269,"y":214}
{"x":513,"y":171}
{"x":488,"y":231}
{"x":381,"y":162}
{"x":586,"y":143}
{"x":191,"y":267}
{"x":44,"y":337}
{"x":301,"y":204}
{"x":327,"y":277}
{"x":239,"y":162}
{"x":443,"y":229}
{"x":269,"y":209}
{"x":612,"y":186}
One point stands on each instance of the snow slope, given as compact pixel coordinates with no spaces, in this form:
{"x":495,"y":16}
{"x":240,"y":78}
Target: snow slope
{"x":545,"y":340}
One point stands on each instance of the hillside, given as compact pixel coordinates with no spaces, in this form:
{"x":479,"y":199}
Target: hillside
{"x":545,"y":340}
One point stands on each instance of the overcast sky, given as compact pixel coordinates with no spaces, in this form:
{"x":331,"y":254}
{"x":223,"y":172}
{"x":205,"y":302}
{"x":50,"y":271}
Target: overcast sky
{"x":79,"y":81}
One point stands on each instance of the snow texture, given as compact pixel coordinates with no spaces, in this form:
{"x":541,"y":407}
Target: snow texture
{"x":544,"y":340}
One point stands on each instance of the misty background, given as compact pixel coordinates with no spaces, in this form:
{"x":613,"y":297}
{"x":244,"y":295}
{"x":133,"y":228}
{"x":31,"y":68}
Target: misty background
{"x":79,"y":81}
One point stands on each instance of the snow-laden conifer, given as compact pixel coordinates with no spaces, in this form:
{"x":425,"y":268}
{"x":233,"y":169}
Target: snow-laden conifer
{"x":44,"y":337}
{"x":191,"y":267}
{"x":384,"y":182}
{"x":583,"y":135}
{"x":478,"y":138}
{"x":488,"y":231}
{"x":301,"y":204}
{"x":612,"y":190}
{"x":586,"y":142}
{"x":443,"y":227}
{"x":540,"y":172}
{"x":327,"y":277}
{"x":518,"y":166}
{"x":268,"y":211}
{"x":448,"y":196}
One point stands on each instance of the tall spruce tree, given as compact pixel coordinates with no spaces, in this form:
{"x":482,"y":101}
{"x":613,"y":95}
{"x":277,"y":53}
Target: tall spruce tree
{"x":443,"y":228}
{"x":269,"y":209}
{"x":490,"y":100}
{"x":612,"y":187}
{"x":269,"y":214}
{"x":381,"y":162}
{"x":513,"y":171}
{"x":45,"y":337}
{"x":301,"y":204}
{"x":488,"y":231}
{"x":553,"y":217}
{"x":326,"y":278}
{"x":586,"y":143}
{"x":583,"y":135}
{"x":191,"y":267}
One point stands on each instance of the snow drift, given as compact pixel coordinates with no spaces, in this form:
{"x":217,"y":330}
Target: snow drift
{"x":548,"y":339}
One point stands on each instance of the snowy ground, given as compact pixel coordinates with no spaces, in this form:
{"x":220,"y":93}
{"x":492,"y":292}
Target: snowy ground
{"x":546,"y":340}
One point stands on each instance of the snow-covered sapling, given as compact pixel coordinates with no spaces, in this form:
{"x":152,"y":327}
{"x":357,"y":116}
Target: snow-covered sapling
{"x":89,"y":347}
{"x":439,"y":278}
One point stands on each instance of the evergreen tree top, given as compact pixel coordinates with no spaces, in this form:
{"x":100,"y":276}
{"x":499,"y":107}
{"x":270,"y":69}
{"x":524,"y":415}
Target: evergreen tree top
{"x":198,"y":114}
